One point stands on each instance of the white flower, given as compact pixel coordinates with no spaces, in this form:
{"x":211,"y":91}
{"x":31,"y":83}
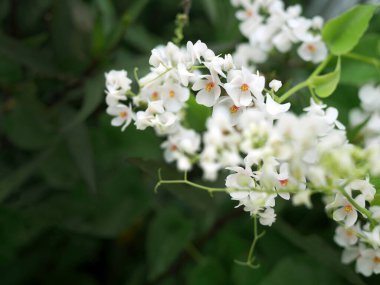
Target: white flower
{"x":268,"y":217}
{"x":123,"y":115}
{"x":225,"y":103}
{"x":273,"y":108}
{"x":174,"y":97}
{"x":373,"y":237}
{"x":369,"y":96}
{"x":118,"y":81}
{"x":368,"y":262}
{"x":242,"y":84}
{"x":375,"y":210}
{"x":184,"y":74}
{"x":253,"y":202}
{"x":313,"y":51}
{"x":302,"y":197}
{"x":275,"y":85}
{"x":347,"y":236}
{"x":346,"y":212}
{"x":198,"y":51}
{"x":242,"y":179}
{"x":364,"y":187}
{"x":351,"y":253}
{"x":209,"y":90}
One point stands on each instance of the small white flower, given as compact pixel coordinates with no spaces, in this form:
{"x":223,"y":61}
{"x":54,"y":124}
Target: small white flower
{"x":313,"y":51}
{"x":229,"y":108}
{"x":123,"y":115}
{"x":174,"y":97}
{"x":118,"y":81}
{"x":364,"y":187}
{"x":275,"y":85}
{"x":242,"y":84}
{"x":368,"y":262}
{"x":209,"y":90}
{"x":242,"y":179}
{"x":198,"y":51}
{"x":347,"y":236}
{"x":273,"y":108}
{"x":346,"y":212}
{"x":268,"y":217}
{"x":302,"y":197}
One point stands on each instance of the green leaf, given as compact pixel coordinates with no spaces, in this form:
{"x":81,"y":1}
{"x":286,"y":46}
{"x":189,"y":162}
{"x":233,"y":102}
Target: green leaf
{"x":342,"y":33}
{"x":299,"y":269}
{"x":208,"y":271}
{"x":80,"y":147}
{"x":325,"y":85}
{"x":168,"y":234}
{"x":196,"y":115}
{"x":31,"y":58}
{"x":358,"y":73}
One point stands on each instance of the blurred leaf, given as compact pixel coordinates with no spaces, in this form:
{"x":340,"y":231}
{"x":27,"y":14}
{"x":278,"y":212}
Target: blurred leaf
{"x":28,"y":123}
{"x":196,"y":115}
{"x":141,"y":39}
{"x":80,"y":147}
{"x":71,"y":49}
{"x":211,"y":8}
{"x":298,"y":270}
{"x":20,"y":175}
{"x":317,"y":248}
{"x":342,"y":33}
{"x":29,"y":57}
{"x":93,"y":95}
{"x":325,"y":85}
{"x":168,"y":234}
{"x":358,"y":73}
{"x":208,"y":271}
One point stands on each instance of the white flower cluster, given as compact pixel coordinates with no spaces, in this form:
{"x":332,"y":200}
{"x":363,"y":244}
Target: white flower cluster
{"x":271,"y":151}
{"x":369,"y":114}
{"x":268,"y":25}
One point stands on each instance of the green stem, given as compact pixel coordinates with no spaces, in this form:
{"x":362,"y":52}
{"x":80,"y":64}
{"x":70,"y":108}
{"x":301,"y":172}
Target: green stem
{"x":293,"y":90}
{"x":363,"y":58}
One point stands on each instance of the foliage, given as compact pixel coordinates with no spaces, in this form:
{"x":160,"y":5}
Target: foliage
{"x":77,"y":207}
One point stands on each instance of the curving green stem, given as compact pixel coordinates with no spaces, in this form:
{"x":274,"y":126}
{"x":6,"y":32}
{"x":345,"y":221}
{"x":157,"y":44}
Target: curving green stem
{"x":363,"y":58}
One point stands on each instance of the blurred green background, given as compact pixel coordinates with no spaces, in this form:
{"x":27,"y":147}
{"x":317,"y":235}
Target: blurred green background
{"x":76,"y":195}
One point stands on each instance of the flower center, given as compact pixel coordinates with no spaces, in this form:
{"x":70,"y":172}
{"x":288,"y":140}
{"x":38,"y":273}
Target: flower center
{"x":173,"y":147}
{"x":234,"y":109}
{"x":284,"y":182}
{"x":248,"y":13}
{"x":349,"y":232}
{"x":154,"y":96}
{"x":311,"y":48}
{"x":210,"y":86}
{"x":171,"y":94}
{"x":347,"y":209}
{"x":376,"y":260}
{"x":123,"y":115}
{"x":244,"y":87}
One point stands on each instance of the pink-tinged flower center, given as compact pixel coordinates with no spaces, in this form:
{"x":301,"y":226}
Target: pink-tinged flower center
{"x":348,"y":209}
{"x":210,"y":86}
{"x":123,"y":115}
{"x":248,"y":13}
{"x":173,"y":147}
{"x":154,"y":96}
{"x":311,"y":48}
{"x":284,"y":182}
{"x":234,"y":109}
{"x":171,"y":94}
{"x":244,"y":87}
{"x":376,"y":260}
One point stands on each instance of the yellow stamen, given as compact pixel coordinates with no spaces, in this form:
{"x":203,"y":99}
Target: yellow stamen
{"x":244,"y":87}
{"x":376,"y":260}
{"x":210,"y":86}
{"x":348,"y":209}
{"x":311,"y":48}
{"x":284,"y":182}
{"x":123,"y":115}
{"x":234,"y":109}
{"x":171,"y":94}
